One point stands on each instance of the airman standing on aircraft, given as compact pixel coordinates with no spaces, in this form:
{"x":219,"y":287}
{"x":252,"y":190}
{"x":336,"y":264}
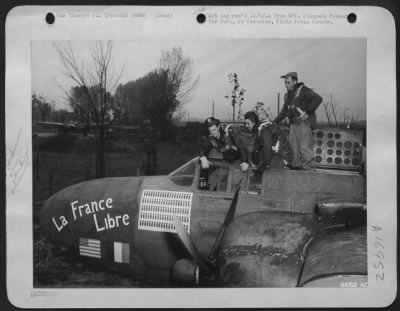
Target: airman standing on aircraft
{"x":300,"y":105}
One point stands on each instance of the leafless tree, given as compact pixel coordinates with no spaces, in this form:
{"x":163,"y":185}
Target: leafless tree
{"x":334,"y":113}
{"x":176,"y":82}
{"x":331,"y":109}
{"x":327,"y":112}
{"x":97,"y":78}
{"x":346,"y":117}
{"x":180,"y":79}
{"x":353,"y":121}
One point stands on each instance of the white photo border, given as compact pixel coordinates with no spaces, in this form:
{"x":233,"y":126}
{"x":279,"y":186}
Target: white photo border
{"x":26,"y":24}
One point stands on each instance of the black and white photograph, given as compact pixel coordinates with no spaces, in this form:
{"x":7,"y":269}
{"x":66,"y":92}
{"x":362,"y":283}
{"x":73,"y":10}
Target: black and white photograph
{"x":200,"y":162}
{"x":237,"y":163}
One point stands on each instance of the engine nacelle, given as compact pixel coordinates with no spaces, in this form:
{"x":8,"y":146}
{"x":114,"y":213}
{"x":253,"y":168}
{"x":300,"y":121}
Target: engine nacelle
{"x":264,"y":249}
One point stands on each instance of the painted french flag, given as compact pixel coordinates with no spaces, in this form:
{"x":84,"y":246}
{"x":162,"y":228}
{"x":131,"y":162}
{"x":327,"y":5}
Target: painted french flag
{"x":121,"y":252}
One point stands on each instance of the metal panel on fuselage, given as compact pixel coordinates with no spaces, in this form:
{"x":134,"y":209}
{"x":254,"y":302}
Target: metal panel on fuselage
{"x":300,"y":190}
{"x":208,"y":214}
{"x":158,"y":250}
{"x":209,"y":210}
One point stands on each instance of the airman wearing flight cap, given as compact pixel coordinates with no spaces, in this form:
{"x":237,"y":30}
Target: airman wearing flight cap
{"x":300,"y":104}
{"x":290,"y":74}
{"x":223,"y":142}
{"x":219,"y":140}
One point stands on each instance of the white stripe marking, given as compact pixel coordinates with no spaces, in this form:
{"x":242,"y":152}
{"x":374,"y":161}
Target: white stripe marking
{"x":117,"y":251}
{"x":94,"y":242}
{"x":91,"y":255}
{"x":88,"y":250}
{"x":91,"y":246}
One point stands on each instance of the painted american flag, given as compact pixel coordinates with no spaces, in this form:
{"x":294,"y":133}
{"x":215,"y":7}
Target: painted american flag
{"x":89,"y":247}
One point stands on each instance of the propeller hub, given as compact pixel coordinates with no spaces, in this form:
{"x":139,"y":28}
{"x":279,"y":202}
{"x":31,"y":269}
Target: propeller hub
{"x":187,"y":271}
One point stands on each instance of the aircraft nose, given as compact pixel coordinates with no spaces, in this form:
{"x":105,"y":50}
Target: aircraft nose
{"x":81,"y":209}
{"x":54,"y":219}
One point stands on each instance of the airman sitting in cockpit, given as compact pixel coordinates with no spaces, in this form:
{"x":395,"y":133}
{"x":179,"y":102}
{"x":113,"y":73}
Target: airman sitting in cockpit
{"x":222,"y":141}
{"x":219,"y":140}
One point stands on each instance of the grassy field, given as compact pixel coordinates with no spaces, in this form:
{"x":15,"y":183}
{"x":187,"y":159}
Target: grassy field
{"x":57,"y":170}
{"x":71,"y":162}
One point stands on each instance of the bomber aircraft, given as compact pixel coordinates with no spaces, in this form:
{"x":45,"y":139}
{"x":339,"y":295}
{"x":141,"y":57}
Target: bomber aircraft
{"x":290,"y":228}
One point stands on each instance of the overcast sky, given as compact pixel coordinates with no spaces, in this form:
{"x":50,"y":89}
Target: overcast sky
{"x":334,"y":67}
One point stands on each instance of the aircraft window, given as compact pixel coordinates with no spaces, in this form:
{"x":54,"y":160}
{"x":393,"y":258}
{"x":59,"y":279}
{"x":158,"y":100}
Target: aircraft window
{"x":184,"y":176}
{"x":214,"y":179}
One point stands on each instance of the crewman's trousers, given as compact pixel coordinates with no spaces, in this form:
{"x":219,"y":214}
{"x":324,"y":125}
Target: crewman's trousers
{"x":301,"y":141}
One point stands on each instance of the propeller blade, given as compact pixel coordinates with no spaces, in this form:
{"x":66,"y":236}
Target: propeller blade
{"x":187,"y":241}
{"x":228,"y":219}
